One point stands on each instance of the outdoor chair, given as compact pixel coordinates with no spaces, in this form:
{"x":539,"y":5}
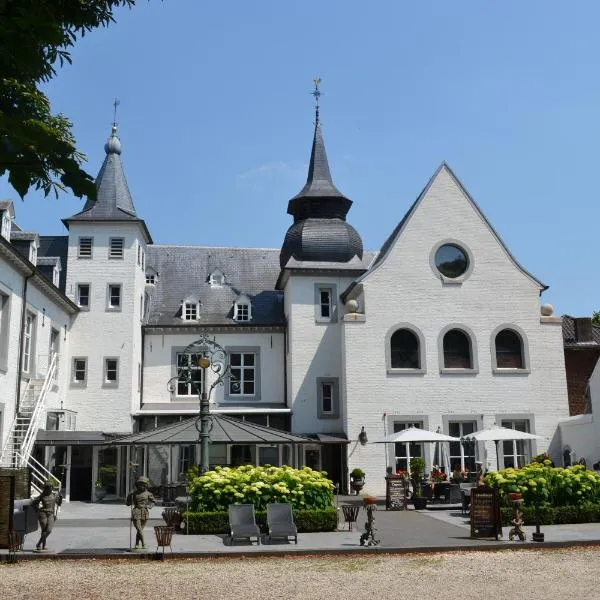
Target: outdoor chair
{"x":281,"y":522}
{"x":242,"y":522}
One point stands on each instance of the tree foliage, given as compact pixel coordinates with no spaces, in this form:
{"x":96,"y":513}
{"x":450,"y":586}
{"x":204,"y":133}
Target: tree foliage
{"x":596,"y":317}
{"x":37,"y":148}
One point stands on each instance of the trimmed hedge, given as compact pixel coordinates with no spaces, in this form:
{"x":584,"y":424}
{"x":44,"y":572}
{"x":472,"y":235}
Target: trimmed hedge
{"x":555,"y":515}
{"x":218,"y":521}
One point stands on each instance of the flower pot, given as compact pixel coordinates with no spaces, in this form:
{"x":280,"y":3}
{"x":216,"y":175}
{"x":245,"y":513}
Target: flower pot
{"x":370,"y":500}
{"x":101,"y":492}
{"x":357,"y":485}
{"x":512,"y":496}
{"x":419,"y":502}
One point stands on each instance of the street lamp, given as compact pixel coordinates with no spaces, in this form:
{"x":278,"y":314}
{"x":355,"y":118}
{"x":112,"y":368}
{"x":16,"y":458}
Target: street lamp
{"x":203,"y":354}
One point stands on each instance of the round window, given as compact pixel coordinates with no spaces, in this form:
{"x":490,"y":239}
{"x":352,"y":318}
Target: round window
{"x":451,"y":261}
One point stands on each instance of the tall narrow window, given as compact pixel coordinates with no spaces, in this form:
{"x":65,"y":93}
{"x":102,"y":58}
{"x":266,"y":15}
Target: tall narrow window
{"x":242,"y":374}
{"x":415,"y":448}
{"x":79,"y":370}
{"x":327,"y":394}
{"x":116,"y":246}
{"x":4,"y":329}
{"x":457,"y":350}
{"x":325,"y":303}
{"x":462,"y":456}
{"x":327,"y":397}
{"x":28,"y":343}
{"x":516,"y":453}
{"x":114,"y":296}
{"x":190,"y":374}
{"x":509,"y":350}
{"x":85,"y":247}
{"x":111,"y":371}
{"x":54,"y":341}
{"x":83,"y":295}
{"x":404,"y":350}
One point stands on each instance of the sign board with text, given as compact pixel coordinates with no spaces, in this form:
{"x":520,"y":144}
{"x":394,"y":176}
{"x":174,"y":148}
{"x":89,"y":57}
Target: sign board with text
{"x":485,"y":513}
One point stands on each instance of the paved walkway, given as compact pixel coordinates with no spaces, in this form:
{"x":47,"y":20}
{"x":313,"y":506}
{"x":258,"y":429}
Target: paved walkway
{"x":104,"y":530}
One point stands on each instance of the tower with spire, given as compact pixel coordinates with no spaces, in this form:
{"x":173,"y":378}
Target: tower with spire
{"x":106,"y":278}
{"x":320,"y":256}
{"x":320,"y":232}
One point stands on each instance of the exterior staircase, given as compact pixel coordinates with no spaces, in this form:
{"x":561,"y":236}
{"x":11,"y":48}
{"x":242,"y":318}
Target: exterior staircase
{"x":19,"y":443}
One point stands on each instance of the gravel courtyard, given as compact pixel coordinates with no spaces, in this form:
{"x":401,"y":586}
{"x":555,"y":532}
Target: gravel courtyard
{"x":569,"y":573}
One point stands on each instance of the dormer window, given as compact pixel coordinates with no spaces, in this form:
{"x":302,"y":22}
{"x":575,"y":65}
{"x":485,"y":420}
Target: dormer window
{"x":216,"y":279}
{"x":150,"y":279}
{"x":190,"y":309}
{"x":242,"y":309}
{"x":5,"y":231}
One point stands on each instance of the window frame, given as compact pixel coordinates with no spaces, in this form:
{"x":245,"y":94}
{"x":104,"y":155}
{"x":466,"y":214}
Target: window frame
{"x":28,"y":361}
{"x":232,"y":397}
{"x":5,"y":306}
{"x":79,"y":382}
{"x":452,"y":280}
{"x":192,"y":393}
{"x":474,"y":368}
{"x":80,"y":255}
{"x":150,"y":279}
{"x":334,"y":382}
{"x":526,"y":369}
{"x":121,"y":254}
{"x":109,"y":296}
{"x":529,"y":446}
{"x":89,"y":296}
{"x":184,"y":310}
{"x":331,"y":288}
{"x":106,"y":382}
{"x":422,"y":351}
{"x":407,"y":421}
{"x":240,"y":306}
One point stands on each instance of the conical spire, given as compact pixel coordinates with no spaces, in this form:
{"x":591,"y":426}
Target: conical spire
{"x":112,"y":197}
{"x":319,"y":183}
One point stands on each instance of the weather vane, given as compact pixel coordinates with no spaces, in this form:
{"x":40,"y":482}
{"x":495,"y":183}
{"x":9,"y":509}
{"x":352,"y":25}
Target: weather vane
{"x":317,"y":94}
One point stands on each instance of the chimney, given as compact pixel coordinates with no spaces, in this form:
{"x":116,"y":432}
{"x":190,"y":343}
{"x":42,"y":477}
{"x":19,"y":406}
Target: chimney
{"x":583,"y":330}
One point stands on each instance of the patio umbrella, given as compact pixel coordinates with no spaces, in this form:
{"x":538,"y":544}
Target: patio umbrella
{"x":499,"y":434}
{"x":414,"y":434}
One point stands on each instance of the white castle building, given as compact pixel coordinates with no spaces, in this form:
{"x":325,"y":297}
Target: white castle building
{"x":442,"y":329}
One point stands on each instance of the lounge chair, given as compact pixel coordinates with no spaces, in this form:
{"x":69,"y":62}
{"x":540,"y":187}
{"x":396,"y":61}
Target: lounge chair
{"x":281,"y":522}
{"x":242,"y":523}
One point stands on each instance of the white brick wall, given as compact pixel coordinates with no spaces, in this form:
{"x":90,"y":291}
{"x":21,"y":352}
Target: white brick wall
{"x":98,"y":334}
{"x":404,"y":289}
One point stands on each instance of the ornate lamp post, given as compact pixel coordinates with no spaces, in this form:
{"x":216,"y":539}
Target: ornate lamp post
{"x":207,"y":355}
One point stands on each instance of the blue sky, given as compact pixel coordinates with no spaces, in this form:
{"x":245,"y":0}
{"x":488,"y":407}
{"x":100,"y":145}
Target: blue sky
{"x":216,"y":119}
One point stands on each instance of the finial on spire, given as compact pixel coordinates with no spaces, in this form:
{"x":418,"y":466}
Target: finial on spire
{"x":114,"y":125}
{"x":317,"y":94}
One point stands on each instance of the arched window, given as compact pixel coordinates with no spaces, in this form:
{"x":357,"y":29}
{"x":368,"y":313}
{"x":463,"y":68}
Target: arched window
{"x":509,"y":350}
{"x":404,"y":350}
{"x":457,"y":350}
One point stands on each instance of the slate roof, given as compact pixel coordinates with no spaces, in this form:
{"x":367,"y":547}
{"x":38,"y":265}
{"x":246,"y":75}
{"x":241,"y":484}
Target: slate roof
{"x":569,"y":336}
{"x":113,"y":199}
{"x":183,"y":272}
{"x":56,"y":245}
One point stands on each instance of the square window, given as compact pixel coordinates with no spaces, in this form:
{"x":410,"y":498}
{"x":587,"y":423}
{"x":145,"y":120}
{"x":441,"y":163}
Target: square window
{"x":79,"y":370}
{"x":114,"y":296}
{"x":83,"y":295}
{"x":190,"y":311}
{"x":150,"y":279}
{"x":85,"y":247}
{"x":111,"y":370}
{"x":116,"y":246}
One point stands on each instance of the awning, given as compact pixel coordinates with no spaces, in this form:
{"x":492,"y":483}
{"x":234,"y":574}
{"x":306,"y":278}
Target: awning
{"x":225,"y":430}
{"x":73,"y":438}
{"x":332,"y":438}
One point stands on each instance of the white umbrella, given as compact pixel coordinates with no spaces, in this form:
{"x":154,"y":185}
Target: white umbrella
{"x":414,"y":434}
{"x":499,"y":434}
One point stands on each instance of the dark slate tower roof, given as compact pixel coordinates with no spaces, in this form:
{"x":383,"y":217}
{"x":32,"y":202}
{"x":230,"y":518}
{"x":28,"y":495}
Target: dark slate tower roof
{"x":113,"y":200}
{"x":320,"y":231}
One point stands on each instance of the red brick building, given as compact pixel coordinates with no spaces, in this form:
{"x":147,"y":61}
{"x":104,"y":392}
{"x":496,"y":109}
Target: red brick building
{"x":581,"y":340}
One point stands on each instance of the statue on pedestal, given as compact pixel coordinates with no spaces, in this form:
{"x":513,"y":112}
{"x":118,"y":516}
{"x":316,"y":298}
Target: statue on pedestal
{"x":140,"y":500}
{"x":46,"y":504}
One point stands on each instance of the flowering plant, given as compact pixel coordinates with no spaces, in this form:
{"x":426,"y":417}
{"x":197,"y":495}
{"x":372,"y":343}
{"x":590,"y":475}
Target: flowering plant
{"x":438,"y":475}
{"x":401,"y":473}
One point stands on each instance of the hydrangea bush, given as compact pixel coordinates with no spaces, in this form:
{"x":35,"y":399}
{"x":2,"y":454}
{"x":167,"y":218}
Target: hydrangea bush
{"x":304,"y":489}
{"x":541,"y":483}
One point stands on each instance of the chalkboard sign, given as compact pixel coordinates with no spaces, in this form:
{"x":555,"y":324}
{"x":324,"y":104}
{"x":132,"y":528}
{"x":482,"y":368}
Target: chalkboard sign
{"x":395,"y":492}
{"x":485,"y":513}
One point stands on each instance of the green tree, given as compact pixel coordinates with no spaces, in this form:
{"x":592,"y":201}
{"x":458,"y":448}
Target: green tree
{"x":37,"y":148}
{"x":596,"y":317}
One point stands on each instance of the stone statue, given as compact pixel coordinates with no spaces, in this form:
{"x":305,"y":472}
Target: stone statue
{"x":139,"y":500}
{"x":46,"y":505}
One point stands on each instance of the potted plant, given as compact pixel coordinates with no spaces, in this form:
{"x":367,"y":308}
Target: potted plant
{"x":417,"y":472}
{"x":100,"y":491}
{"x":357,"y":480}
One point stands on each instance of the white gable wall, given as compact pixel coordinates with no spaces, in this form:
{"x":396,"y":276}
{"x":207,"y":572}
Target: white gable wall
{"x":405,"y":289}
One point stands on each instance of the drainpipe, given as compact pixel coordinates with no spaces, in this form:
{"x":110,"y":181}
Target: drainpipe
{"x":21,"y":340}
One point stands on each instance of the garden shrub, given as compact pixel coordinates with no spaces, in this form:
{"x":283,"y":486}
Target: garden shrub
{"x":554,"y":515}
{"x":304,"y":489}
{"x":218,"y":521}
